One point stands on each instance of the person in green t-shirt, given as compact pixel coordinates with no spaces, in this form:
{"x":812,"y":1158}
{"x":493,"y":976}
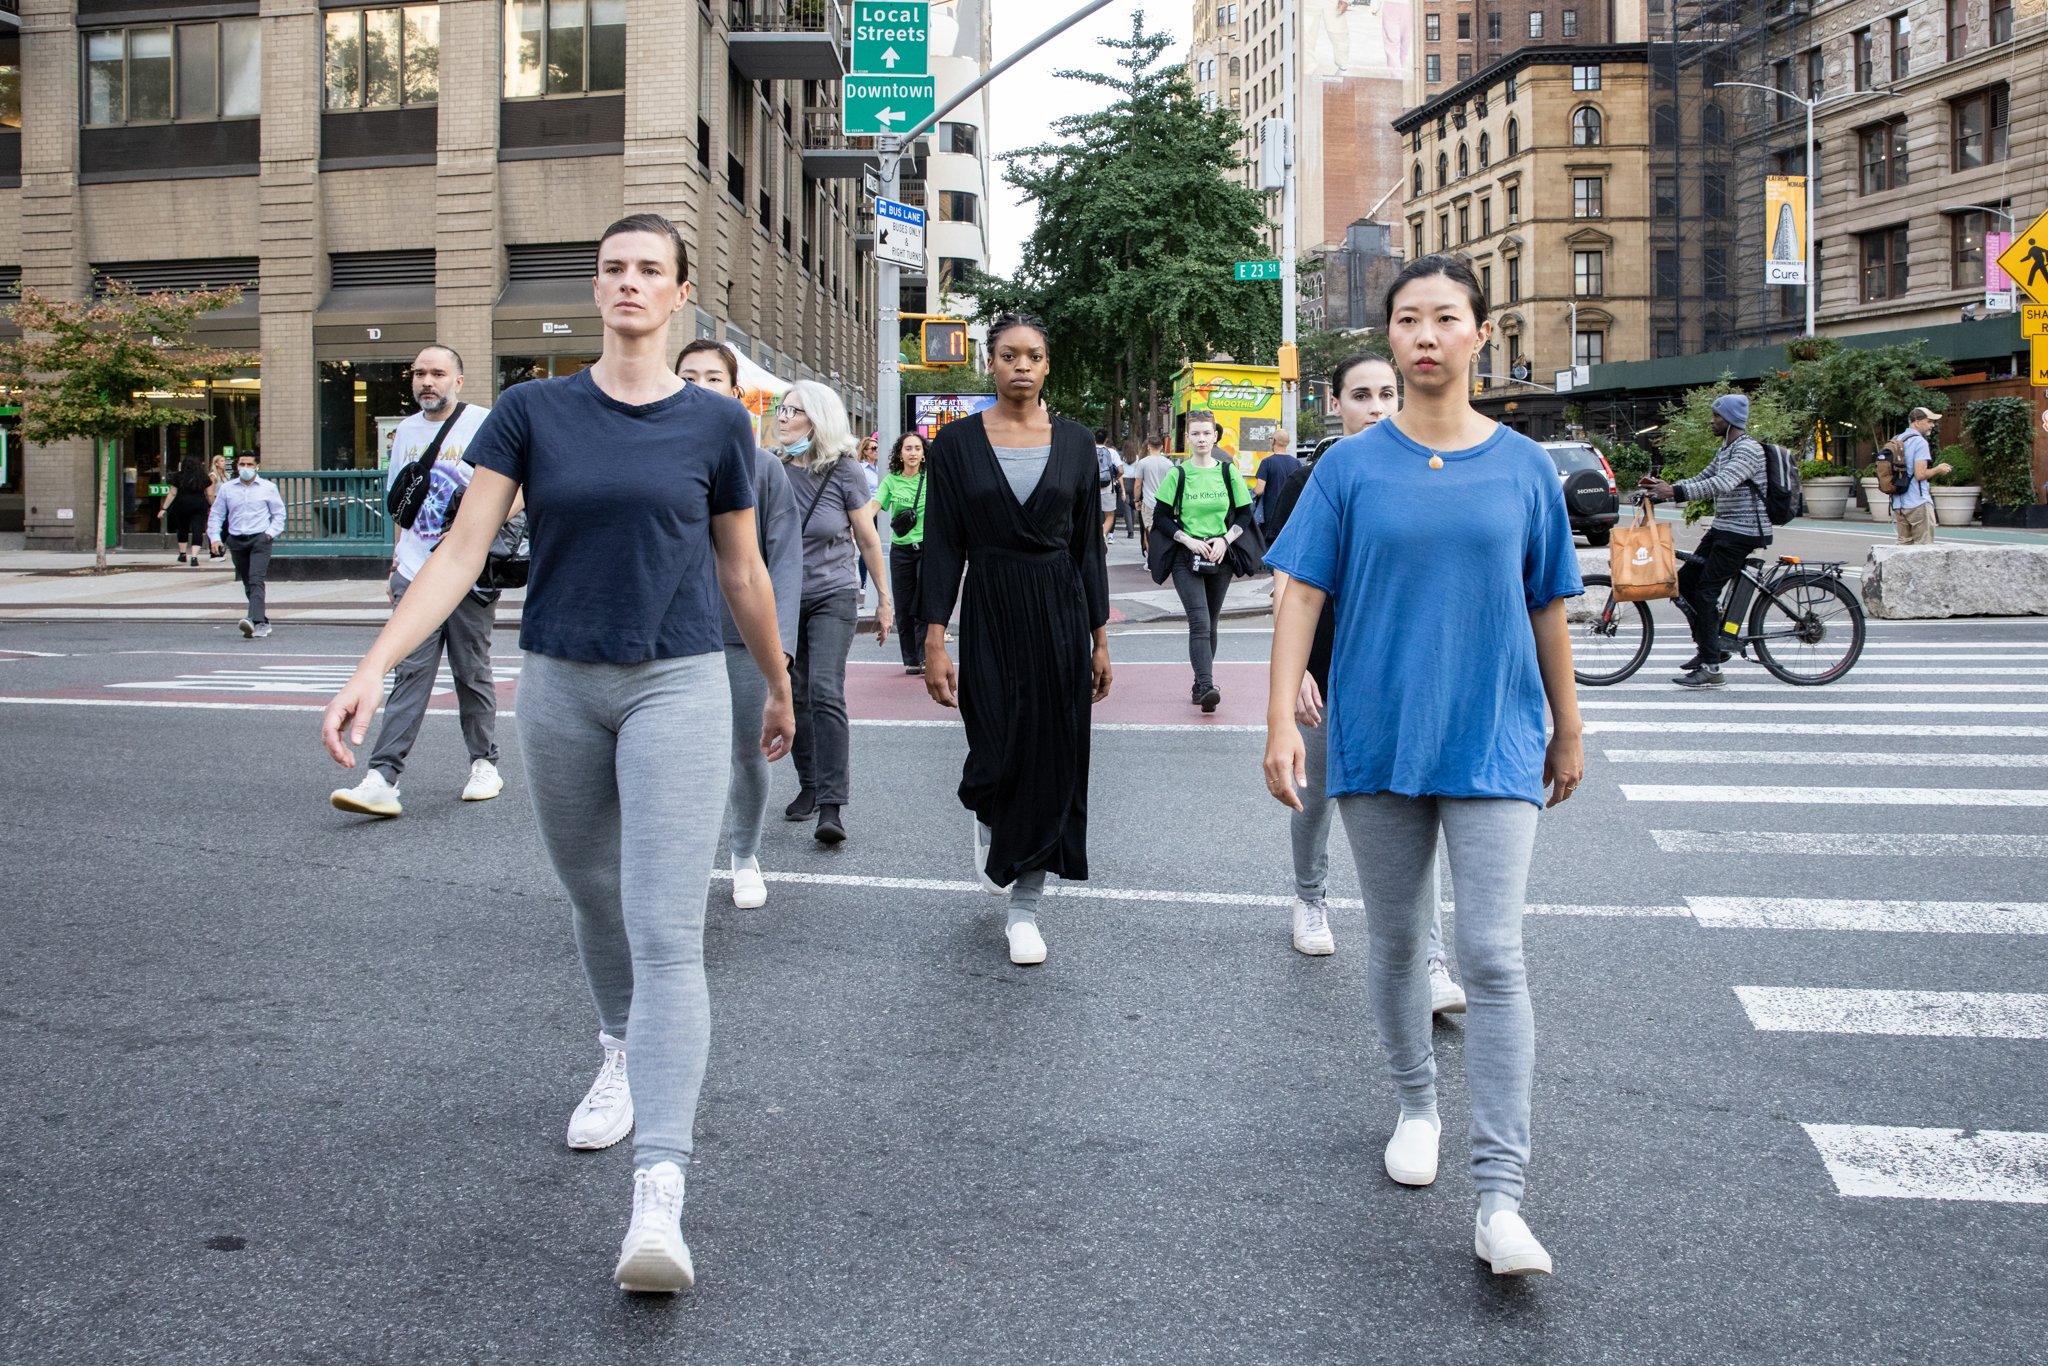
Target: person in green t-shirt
{"x":902,"y":490}
{"x":1211,"y":509}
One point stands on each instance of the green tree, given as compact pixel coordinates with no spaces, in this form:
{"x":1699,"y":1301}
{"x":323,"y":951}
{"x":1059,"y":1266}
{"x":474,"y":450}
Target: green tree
{"x":2002,"y":430}
{"x":1866,"y":391}
{"x":1687,"y":443}
{"x":88,"y":368}
{"x":1129,"y":263}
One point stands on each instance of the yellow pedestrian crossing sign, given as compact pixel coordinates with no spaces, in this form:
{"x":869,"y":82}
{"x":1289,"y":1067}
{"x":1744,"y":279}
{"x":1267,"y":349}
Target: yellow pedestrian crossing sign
{"x":2025,"y":259}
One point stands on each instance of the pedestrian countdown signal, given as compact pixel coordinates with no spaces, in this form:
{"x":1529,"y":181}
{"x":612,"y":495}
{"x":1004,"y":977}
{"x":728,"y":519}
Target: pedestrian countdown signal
{"x":943,"y":342}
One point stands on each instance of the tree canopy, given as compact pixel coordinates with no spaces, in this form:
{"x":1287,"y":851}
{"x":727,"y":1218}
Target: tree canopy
{"x":1139,"y":223}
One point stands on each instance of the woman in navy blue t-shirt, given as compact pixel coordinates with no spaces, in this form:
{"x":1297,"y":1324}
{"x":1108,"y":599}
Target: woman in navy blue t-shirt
{"x":640,"y":505}
{"x":1443,"y":541}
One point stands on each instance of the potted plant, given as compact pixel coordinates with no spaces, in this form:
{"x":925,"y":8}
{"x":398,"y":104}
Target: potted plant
{"x":2001,"y":430}
{"x":1828,"y":490}
{"x":1880,"y":505}
{"x":1955,"y":493}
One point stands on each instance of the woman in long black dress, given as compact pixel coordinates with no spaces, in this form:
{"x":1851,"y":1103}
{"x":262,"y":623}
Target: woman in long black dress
{"x":1013,"y":501}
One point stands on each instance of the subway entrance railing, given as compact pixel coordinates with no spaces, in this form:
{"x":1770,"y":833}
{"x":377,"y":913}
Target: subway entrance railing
{"x":333,"y":512}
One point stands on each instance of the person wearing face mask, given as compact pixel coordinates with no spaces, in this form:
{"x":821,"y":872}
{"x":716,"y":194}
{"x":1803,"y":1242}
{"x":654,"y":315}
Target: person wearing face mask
{"x":902,"y":496}
{"x":1367,"y":390}
{"x":836,"y":509}
{"x":1442,"y":538}
{"x":249,"y":511}
{"x":1200,"y":513}
{"x":466,"y":636}
{"x":714,"y":366}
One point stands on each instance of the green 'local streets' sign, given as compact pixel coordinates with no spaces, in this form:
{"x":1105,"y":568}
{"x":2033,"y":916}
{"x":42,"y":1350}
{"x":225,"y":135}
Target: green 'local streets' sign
{"x":891,"y":38}
{"x":1258,"y":270}
{"x":887,"y":104}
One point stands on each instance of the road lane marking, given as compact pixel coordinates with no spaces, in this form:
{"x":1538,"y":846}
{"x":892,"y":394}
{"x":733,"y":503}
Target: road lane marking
{"x":1922,"y":845}
{"x":1865,"y":796}
{"x":1861,"y":730}
{"x":1711,"y":704}
{"x":1822,"y":757}
{"x":1916,"y":1014}
{"x":1890,"y":917}
{"x":1884,"y":1162}
{"x":1758,"y":687}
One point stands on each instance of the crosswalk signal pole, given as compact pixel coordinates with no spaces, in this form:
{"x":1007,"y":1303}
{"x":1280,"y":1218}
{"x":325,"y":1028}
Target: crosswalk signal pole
{"x":1290,"y":303}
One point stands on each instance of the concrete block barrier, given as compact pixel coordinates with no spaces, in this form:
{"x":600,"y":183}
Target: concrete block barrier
{"x":1916,"y":582}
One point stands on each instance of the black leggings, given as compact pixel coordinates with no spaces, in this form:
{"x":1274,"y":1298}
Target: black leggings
{"x":1201,"y":596}
{"x":906,"y":574}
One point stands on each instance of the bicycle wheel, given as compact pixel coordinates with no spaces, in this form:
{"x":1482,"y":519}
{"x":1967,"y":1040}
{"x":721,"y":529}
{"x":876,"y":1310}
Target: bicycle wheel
{"x":1610,"y":640}
{"x":1808,"y":630}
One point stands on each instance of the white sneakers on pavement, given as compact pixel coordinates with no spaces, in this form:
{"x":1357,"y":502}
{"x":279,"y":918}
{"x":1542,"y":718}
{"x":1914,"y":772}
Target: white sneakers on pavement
{"x":375,"y":795}
{"x":749,"y":888}
{"x":1312,"y":928}
{"x":1411,"y":1152}
{"x":1505,"y":1243}
{"x":1027,"y":945}
{"x":654,"y":1259}
{"x":606,"y":1113}
{"x":484,"y":782}
{"x":1445,"y":996}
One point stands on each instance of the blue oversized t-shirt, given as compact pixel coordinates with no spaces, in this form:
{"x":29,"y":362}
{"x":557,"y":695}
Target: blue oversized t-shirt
{"x":619,"y":502}
{"x":1434,"y":687}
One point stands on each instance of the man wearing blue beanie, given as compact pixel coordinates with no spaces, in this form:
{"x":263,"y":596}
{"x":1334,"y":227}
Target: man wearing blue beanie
{"x":1734,"y":479}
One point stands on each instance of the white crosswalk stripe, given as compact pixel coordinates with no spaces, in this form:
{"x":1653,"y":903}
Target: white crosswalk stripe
{"x":1821,"y":844}
{"x":1876,"y":1161}
{"x":1941,"y":1014}
{"x":1822,"y":757}
{"x":1866,"y":796}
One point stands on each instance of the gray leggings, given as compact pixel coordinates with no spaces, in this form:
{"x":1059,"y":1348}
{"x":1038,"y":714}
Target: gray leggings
{"x":746,"y":799}
{"x":626,"y":756}
{"x":1310,"y":828}
{"x":1490,"y":840}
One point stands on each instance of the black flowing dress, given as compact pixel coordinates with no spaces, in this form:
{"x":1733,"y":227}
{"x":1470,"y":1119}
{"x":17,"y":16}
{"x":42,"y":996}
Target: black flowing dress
{"x":1036,"y":588}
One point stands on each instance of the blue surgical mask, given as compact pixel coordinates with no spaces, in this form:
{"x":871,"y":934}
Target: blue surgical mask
{"x":247,"y":474}
{"x":796,"y":448}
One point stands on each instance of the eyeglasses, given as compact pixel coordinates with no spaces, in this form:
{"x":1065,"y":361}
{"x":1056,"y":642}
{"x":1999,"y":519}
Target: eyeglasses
{"x":788,"y":411}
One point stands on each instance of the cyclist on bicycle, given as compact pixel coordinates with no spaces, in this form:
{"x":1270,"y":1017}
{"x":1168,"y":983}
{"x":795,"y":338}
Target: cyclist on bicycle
{"x":1734,"y":479}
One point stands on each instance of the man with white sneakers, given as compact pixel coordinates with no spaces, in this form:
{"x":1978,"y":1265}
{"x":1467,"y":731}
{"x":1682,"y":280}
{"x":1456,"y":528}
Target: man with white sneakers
{"x":466,"y":635}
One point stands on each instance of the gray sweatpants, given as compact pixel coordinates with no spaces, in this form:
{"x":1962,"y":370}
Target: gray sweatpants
{"x":626,"y":759}
{"x":1490,"y":840}
{"x":467,"y":636}
{"x":746,"y":797}
{"x":1310,"y":828}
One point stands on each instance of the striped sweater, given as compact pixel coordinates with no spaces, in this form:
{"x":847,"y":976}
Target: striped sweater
{"x":1734,"y":479}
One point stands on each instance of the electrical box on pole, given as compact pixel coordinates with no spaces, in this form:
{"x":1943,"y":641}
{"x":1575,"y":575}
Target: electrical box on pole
{"x":1275,"y":154}
{"x":1290,"y":362}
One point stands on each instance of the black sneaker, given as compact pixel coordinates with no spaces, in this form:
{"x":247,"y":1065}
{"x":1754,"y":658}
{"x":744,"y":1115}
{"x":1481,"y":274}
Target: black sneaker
{"x":1208,"y":699}
{"x":1705,"y":676}
{"x":1693,"y":663}
{"x":803,"y":808}
{"x":830,"y":829}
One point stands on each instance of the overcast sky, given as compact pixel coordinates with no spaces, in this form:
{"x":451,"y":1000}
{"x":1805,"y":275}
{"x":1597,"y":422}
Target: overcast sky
{"x":1025,"y":100}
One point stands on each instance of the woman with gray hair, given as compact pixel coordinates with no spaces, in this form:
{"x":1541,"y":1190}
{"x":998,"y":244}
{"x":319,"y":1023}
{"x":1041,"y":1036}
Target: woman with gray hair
{"x":836,"y":511}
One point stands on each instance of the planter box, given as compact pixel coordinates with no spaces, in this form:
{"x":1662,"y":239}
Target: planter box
{"x":1955,"y":506}
{"x":1880,"y":506}
{"x":1828,"y":499}
{"x":2031,"y":516}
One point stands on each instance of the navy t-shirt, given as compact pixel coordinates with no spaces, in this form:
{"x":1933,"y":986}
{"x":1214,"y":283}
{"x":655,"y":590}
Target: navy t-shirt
{"x":619,"y":502}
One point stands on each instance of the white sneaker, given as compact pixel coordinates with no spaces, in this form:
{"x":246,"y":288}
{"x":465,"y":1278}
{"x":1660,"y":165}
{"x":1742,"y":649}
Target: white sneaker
{"x":373,"y":796}
{"x":484,"y":782}
{"x":1445,"y":996}
{"x":654,"y":1259}
{"x":1411,"y":1152}
{"x":1027,"y":945}
{"x":606,"y":1114}
{"x":749,"y":888}
{"x":981,"y":866}
{"x":1506,"y":1243}
{"x":247,"y":628}
{"x":1312,"y":928}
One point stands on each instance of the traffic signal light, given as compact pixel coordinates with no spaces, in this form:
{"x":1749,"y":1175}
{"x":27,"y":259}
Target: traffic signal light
{"x":944,"y":341}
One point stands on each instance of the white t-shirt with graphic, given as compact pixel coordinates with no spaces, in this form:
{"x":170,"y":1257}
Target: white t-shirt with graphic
{"x":451,"y":475}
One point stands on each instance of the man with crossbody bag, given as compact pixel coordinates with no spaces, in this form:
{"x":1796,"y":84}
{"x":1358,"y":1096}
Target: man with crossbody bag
{"x":427,"y":479}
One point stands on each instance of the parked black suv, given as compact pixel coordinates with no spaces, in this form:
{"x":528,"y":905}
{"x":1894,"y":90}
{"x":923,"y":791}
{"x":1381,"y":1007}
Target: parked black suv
{"x":1589,"y":493}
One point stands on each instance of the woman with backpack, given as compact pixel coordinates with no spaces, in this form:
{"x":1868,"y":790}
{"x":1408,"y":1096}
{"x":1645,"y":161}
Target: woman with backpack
{"x":902,"y":496}
{"x":1200,"y":517}
{"x":1443,"y":540}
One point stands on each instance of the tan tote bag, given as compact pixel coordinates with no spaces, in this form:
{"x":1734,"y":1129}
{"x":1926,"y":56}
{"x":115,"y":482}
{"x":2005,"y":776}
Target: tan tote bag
{"x":1642,"y":564}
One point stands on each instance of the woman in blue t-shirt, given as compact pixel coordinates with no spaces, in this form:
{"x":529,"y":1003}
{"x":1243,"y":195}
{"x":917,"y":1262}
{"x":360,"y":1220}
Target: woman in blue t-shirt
{"x":640,"y":508}
{"x":1443,"y":539}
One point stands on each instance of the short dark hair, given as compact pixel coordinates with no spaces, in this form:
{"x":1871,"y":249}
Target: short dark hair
{"x":442,"y":346}
{"x":1102,"y":436}
{"x":1452,"y":269}
{"x":660,"y":227}
{"x":724,"y":352}
{"x":896,"y":451}
{"x":1353,"y":361}
{"x":1010,"y":321}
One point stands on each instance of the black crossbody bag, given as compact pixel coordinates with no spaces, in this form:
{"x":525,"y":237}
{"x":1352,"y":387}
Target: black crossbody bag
{"x":904,"y":520}
{"x":408,"y":492}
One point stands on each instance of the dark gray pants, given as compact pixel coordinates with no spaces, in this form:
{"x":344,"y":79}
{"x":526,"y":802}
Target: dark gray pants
{"x":251,"y":555}
{"x":467,"y":637}
{"x":1201,"y":597}
{"x":824,"y":633}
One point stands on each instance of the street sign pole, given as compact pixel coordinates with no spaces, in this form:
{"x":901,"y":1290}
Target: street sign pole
{"x":1290,"y":305}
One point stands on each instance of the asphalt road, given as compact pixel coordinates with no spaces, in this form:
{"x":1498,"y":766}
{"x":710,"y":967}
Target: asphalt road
{"x":282,"y":1084}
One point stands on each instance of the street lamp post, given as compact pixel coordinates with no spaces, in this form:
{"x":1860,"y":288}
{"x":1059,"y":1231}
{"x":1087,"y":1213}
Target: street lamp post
{"x":1811,"y":162}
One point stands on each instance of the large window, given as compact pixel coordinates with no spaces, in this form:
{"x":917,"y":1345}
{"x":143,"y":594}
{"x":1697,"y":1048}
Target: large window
{"x":1432,"y":68}
{"x":1464,"y":161}
{"x":1865,"y":60}
{"x":1486,"y":217}
{"x":1464,"y":224}
{"x":1493,"y":26}
{"x":1514,"y":279}
{"x":383,"y":58}
{"x":1464,"y":28}
{"x":162,"y":73}
{"x":1535,"y":23}
{"x":1432,"y":28}
{"x":1485,"y":150}
{"x":1714,"y":267}
{"x":1664,"y":197}
{"x":1816,"y":74}
{"x":1464,"y":66}
{"x":1514,"y":138}
{"x":10,"y":83}
{"x":1586,"y":196}
{"x":564,"y":47}
{"x":1568,"y":23}
{"x":1589,"y":348}
{"x":1514,"y":193}
{"x":1966,"y":248}
{"x":1884,"y":264}
{"x":958,"y":206}
{"x":1958,"y":28}
{"x":1666,"y":271}
{"x":953,"y":273}
{"x":1585,"y":126}
{"x":2001,"y":21}
{"x":1900,"y":29}
{"x":964,"y":138}
{"x":1978,"y":127}
{"x":1714,"y":194}
{"x":1586,"y":77}
{"x":1589,"y":274}
{"x":1882,"y":157}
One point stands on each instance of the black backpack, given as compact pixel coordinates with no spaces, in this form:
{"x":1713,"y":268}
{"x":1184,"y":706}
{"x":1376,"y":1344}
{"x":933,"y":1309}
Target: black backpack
{"x":1782,"y":497}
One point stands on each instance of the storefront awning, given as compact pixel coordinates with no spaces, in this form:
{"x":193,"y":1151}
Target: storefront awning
{"x":547,"y":299}
{"x":1986,"y":340}
{"x":376,"y":306}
